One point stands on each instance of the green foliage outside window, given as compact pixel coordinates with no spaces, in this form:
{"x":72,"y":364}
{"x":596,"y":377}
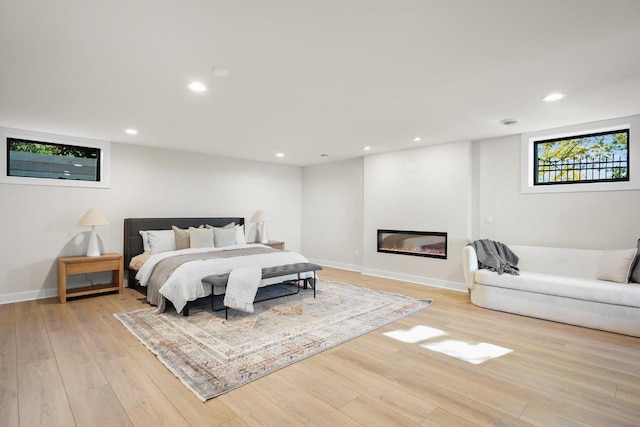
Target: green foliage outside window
{"x":597,"y":157}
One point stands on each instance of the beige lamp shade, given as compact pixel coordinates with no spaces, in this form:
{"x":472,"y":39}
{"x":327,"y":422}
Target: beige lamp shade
{"x":261,"y":216}
{"x":93,"y":217}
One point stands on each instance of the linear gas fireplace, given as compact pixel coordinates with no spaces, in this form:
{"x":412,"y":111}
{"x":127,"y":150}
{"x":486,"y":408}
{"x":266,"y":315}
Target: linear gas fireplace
{"x":417,"y":243}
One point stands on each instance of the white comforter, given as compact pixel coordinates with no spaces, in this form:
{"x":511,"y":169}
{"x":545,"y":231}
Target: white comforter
{"x":185,"y":284}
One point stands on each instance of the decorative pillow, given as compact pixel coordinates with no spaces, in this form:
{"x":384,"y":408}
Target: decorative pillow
{"x":161,"y":241}
{"x":224,"y":236}
{"x":138,"y":261}
{"x":240,"y":237}
{"x":145,"y":241}
{"x":200,"y":237}
{"x":615,"y":265}
{"x":635,"y":269}
{"x":230,"y":225}
{"x":182,"y":237}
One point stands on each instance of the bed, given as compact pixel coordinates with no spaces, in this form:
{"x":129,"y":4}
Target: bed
{"x":182,"y":270}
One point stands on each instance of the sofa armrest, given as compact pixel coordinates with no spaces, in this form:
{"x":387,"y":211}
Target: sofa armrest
{"x":469,"y":265}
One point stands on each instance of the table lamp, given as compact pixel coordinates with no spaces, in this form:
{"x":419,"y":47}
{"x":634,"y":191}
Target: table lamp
{"x":92,"y":218}
{"x":260,"y":217}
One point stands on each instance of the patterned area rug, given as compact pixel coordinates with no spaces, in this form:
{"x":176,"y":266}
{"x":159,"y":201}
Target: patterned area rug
{"x":211,"y":355}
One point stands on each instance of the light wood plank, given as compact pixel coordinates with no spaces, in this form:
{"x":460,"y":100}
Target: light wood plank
{"x":98,"y":407}
{"x":214,"y":412}
{"x":78,"y":368}
{"x":143,"y":401}
{"x":9,"y":412}
{"x":369,"y":413}
{"x":256,"y":410}
{"x":630,"y":393}
{"x":324,"y":387}
{"x":287,"y":396}
{"x":442,"y":418}
{"x":42,"y":398}
{"x":544,"y":418}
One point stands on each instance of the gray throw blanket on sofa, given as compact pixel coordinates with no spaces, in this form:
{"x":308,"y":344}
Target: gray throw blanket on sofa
{"x":496,"y":256}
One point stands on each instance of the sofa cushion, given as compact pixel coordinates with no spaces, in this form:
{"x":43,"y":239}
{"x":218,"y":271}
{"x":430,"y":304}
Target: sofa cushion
{"x":564,"y":286}
{"x":615,"y":265}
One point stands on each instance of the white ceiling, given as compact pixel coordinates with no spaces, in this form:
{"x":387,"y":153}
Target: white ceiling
{"x":312,"y":77}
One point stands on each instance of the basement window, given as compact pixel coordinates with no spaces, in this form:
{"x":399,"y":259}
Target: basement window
{"x":41,"y":159}
{"x":35,"y":159}
{"x":596,"y":156}
{"x":584,"y":158}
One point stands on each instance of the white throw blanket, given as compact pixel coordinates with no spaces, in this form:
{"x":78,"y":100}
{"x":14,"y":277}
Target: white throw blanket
{"x":242,"y":287}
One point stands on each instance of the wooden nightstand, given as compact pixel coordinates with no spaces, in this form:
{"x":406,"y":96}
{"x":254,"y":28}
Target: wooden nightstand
{"x":84,"y":264}
{"x":275,"y":244}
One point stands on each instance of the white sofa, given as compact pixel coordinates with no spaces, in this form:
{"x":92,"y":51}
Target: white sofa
{"x":556,"y":284}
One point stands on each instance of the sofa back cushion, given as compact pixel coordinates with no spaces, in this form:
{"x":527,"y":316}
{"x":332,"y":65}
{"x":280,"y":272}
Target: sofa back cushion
{"x":563,"y":261}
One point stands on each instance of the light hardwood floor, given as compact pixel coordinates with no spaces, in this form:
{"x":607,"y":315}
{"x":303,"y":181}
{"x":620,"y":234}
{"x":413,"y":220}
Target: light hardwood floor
{"x":75,"y":364}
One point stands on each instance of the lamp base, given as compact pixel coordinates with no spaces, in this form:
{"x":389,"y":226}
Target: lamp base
{"x":93,"y":249}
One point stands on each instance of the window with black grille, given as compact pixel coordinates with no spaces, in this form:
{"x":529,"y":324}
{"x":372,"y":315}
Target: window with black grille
{"x":592,"y":157}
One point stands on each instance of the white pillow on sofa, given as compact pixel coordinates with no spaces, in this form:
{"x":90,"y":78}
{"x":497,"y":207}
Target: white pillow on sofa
{"x":615,"y":265}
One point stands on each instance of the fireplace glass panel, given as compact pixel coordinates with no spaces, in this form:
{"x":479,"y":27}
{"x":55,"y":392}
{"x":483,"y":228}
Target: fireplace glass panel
{"x":417,"y":243}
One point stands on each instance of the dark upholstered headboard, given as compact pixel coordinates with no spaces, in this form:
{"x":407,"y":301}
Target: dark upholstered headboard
{"x":132,"y":226}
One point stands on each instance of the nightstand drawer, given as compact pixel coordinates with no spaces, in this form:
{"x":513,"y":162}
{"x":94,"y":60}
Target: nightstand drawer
{"x":92,"y":267}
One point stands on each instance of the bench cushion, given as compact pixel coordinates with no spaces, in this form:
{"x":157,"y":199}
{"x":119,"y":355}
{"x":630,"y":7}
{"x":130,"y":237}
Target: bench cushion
{"x":267,"y":273}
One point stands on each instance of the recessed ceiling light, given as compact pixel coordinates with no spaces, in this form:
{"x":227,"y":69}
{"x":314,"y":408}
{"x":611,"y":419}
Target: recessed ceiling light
{"x":553,"y":97}
{"x":367,"y":148}
{"x":279,"y":154}
{"x":131,"y":131}
{"x":509,"y":122}
{"x":198,"y":87}
{"x":417,"y":139}
{"x":220,"y":72}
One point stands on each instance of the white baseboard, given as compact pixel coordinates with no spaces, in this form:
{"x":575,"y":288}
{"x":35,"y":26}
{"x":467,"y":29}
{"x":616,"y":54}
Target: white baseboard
{"x":427,"y":281}
{"x":39,"y":294}
{"x":28,"y":295}
{"x":333,"y":264}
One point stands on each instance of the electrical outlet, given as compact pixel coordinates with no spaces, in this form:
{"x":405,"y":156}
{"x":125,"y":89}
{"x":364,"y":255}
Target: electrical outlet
{"x":489,"y":219}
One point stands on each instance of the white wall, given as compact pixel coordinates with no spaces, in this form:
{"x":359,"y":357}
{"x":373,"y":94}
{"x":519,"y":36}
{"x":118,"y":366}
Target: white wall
{"x":425,"y":189}
{"x":37,"y":223}
{"x":332,"y":203}
{"x":587,"y":220}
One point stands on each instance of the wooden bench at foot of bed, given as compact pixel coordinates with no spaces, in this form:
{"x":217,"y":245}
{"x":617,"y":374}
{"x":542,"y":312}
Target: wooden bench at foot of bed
{"x":220,"y":280}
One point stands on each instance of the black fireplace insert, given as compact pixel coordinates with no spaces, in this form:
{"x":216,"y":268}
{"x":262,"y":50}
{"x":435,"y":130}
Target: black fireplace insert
{"x":417,"y":243}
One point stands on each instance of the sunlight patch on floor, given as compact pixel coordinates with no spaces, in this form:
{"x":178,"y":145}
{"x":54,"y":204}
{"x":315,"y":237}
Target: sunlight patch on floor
{"x":415,"y":334}
{"x":468,"y":351}
{"x":472,"y":352}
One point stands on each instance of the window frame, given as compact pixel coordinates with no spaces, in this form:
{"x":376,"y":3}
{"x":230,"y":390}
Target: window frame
{"x":528,"y":156}
{"x":536,"y":165}
{"x":104,"y":148}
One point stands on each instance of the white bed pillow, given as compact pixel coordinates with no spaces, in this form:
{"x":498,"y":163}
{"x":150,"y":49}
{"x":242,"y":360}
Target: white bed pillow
{"x":145,"y":241}
{"x":240,"y":237}
{"x":200,"y":237}
{"x":224,"y":236}
{"x":615,"y":265}
{"x":161,"y":241}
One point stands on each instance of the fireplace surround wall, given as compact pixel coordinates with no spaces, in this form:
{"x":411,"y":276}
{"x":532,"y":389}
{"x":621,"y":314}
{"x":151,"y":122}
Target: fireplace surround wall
{"x":416,"y":243}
